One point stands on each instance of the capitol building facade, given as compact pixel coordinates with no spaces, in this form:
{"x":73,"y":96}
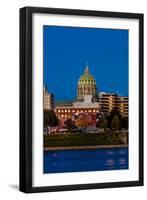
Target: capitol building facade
{"x":88,"y":100}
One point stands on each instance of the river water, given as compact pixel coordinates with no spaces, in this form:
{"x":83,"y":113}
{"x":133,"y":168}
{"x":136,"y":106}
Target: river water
{"x":85,"y":160}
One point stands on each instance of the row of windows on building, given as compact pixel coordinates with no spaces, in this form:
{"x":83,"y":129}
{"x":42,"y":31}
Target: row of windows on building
{"x":76,"y":111}
{"x":87,"y":81}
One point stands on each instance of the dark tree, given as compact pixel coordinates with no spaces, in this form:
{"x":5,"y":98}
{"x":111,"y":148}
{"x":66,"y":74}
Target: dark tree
{"x":124,"y":123}
{"x":115,"y":112}
{"x":69,"y":124}
{"x":50,"y":118}
{"x":101,"y":121}
{"x":116,"y":123}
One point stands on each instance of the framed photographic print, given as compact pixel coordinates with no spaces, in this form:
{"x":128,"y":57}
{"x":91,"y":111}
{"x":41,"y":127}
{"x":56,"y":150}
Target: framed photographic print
{"x":81,"y":99}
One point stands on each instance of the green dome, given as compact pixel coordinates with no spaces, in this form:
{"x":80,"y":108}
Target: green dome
{"x":87,"y":78}
{"x":86,"y":85}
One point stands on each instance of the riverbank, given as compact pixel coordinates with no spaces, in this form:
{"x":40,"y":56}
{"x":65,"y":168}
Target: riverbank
{"x":85,"y":147}
{"x":80,"y":140}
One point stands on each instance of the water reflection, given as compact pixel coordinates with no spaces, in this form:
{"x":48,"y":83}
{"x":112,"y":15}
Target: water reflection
{"x":110,"y":162}
{"x":122,"y":152}
{"x":85,"y":160}
{"x":122,"y":161}
{"x":54,"y":154}
{"x":110,"y":152}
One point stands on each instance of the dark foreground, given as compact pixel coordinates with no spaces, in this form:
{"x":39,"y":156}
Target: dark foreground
{"x":85,"y":160}
{"x":84,"y":139}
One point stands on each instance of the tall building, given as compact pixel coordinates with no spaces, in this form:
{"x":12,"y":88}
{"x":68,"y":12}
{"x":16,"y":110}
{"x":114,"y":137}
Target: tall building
{"x":109,"y":101}
{"x":122,"y":105}
{"x":48,"y":99}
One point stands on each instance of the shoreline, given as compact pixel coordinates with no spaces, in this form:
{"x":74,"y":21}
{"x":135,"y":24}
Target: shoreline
{"x":85,"y":147}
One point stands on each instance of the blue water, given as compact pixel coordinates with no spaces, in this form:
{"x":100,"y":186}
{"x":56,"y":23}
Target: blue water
{"x":85,"y":160}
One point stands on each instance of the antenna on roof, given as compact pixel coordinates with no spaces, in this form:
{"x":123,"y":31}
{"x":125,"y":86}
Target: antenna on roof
{"x":87,"y":68}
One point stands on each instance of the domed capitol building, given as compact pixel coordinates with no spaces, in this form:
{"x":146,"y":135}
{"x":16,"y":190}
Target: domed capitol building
{"x":86,"y":85}
{"x":88,"y":100}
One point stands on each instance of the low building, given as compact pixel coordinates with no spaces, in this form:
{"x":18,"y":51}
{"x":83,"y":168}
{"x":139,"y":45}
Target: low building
{"x":65,"y":112}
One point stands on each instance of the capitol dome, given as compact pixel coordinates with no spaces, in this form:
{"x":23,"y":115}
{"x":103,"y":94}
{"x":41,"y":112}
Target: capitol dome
{"x":86,"y":84}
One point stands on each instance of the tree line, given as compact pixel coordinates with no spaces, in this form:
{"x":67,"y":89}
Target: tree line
{"x":114,"y":121}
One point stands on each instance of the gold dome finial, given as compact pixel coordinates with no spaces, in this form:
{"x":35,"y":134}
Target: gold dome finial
{"x":87,"y":69}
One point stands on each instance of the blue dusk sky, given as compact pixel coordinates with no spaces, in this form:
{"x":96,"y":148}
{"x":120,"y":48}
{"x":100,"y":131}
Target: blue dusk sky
{"x":68,"y":49}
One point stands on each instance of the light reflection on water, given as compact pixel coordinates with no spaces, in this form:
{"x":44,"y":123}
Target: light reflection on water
{"x":122,"y":161}
{"x":110,"y":152}
{"x":85,"y":160}
{"x":110,"y":162}
{"x":54,"y":154}
{"x":122,"y":152}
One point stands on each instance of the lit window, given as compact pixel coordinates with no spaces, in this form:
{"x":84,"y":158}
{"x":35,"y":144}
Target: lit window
{"x":58,"y":111}
{"x":93,"y":110}
{"x":69,"y":111}
{"x":62,"y":116}
{"x":66,"y":111}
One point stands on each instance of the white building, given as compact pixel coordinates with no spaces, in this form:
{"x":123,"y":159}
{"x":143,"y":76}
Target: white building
{"x":48,"y":99}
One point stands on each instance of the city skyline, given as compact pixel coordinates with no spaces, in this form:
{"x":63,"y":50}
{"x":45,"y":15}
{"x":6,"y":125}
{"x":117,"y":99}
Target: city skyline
{"x":105,"y":51}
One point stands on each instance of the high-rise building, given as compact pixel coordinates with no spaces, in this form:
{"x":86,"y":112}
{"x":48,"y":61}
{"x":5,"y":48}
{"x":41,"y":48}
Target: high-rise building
{"x":122,"y":105}
{"x":110,"y":101}
{"x":48,"y":99}
{"x":107,"y":102}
